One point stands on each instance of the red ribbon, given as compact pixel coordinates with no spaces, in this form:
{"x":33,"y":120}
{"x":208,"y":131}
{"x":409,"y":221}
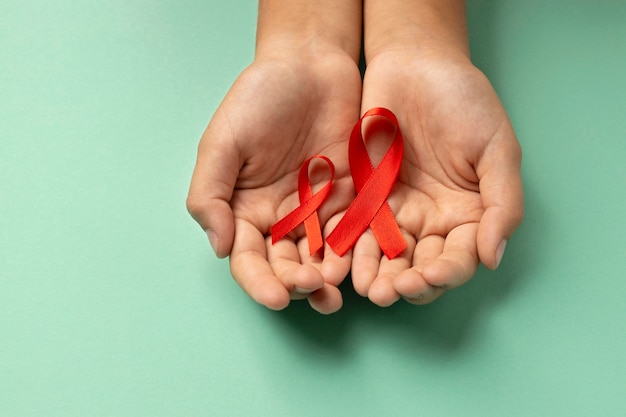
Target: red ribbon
{"x":307,"y":211}
{"x":373,"y":185}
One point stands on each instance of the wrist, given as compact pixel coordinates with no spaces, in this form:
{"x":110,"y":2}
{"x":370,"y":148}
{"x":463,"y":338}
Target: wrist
{"x":419,"y":27}
{"x":320,"y":27}
{"x":308,"y":50}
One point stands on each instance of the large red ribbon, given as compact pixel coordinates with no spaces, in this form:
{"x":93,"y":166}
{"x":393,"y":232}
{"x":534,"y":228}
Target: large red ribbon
{"x":307,"y":211}
{"x":373,"y":185}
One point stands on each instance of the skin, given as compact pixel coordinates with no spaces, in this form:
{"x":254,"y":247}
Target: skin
{"x":459,"y":195}
{"x":281,"y":110}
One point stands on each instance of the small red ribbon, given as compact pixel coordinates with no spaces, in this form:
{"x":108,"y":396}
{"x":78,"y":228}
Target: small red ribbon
{"x":373,"y":185}
{"x":307,"y":211}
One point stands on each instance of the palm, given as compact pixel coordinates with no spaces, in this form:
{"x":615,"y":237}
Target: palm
{"x":449,"y":117}
{"x":278,"y":114}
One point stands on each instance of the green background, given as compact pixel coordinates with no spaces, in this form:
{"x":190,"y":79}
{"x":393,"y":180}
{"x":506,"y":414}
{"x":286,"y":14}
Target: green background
{"x":112,"y":304}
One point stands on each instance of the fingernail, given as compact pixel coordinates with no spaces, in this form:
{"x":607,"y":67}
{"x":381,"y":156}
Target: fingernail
{"x":213,"y":239}
{"x":302,"y":291}
{"x":417,"y":298}
{"x":500,"y":252}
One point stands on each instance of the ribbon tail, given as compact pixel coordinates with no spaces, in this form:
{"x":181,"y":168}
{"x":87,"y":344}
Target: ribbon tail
{"x":388,"y":233}
{"x":313,"y":233}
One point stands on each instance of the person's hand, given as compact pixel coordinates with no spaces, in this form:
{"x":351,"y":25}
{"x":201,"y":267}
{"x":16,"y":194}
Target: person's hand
{"x":458,"y":198}
{"x":289,"y":105}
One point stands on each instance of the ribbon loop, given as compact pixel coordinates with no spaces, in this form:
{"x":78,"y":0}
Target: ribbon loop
{"x":307,"y":211}
{"x":373,"y":185}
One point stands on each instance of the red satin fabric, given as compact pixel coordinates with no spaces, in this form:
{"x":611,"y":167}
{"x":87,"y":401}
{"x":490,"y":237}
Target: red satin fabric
{"x":373,"y":185}
{"x":307,"y":211}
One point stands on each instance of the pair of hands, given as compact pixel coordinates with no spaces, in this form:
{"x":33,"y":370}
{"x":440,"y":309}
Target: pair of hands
{"x":457,"y":200}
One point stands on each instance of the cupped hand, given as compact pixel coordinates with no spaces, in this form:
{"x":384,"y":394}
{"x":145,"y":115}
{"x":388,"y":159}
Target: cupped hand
{"x":459,"y":194}
{"x":282,"y":109}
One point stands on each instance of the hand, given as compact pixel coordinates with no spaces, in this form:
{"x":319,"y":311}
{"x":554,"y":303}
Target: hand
{"x":286,"y":107}
{"x":459,"y":193}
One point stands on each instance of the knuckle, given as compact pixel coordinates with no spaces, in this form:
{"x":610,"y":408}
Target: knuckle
{"x":518,"y":215}
{"x":195,"y":205}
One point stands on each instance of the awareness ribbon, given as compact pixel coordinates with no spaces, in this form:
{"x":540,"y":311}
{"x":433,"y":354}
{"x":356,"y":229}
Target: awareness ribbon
{"x":307,"y":211}
{"x":373,"y":185}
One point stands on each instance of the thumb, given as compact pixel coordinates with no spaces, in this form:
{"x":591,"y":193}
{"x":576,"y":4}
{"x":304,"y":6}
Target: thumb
{"x":211,"y":189}
{"x":501,"y":190}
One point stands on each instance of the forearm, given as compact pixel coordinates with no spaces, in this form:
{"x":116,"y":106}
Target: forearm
{"x":421,"y":25}
{"x":294,"y":24}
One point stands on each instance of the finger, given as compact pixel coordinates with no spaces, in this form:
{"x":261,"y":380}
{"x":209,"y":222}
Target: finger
{"x":411,"y":284}
{"x":415,"y":289}
{"x":458,"y":260}
{"x":304,"y":253}
{"x":326,"y":300}
{"x":382,"y":291}
{"x":212,"y":184}
{"x":298,"y":278}
{"x":366,"y":256}
{"x":427,"y":250}
{"x":334,"y":268}
{"x":499,"y":172}
{"x":252,"y":271}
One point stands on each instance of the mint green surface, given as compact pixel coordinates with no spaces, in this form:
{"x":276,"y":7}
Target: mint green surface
{"x":111,"y":303}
